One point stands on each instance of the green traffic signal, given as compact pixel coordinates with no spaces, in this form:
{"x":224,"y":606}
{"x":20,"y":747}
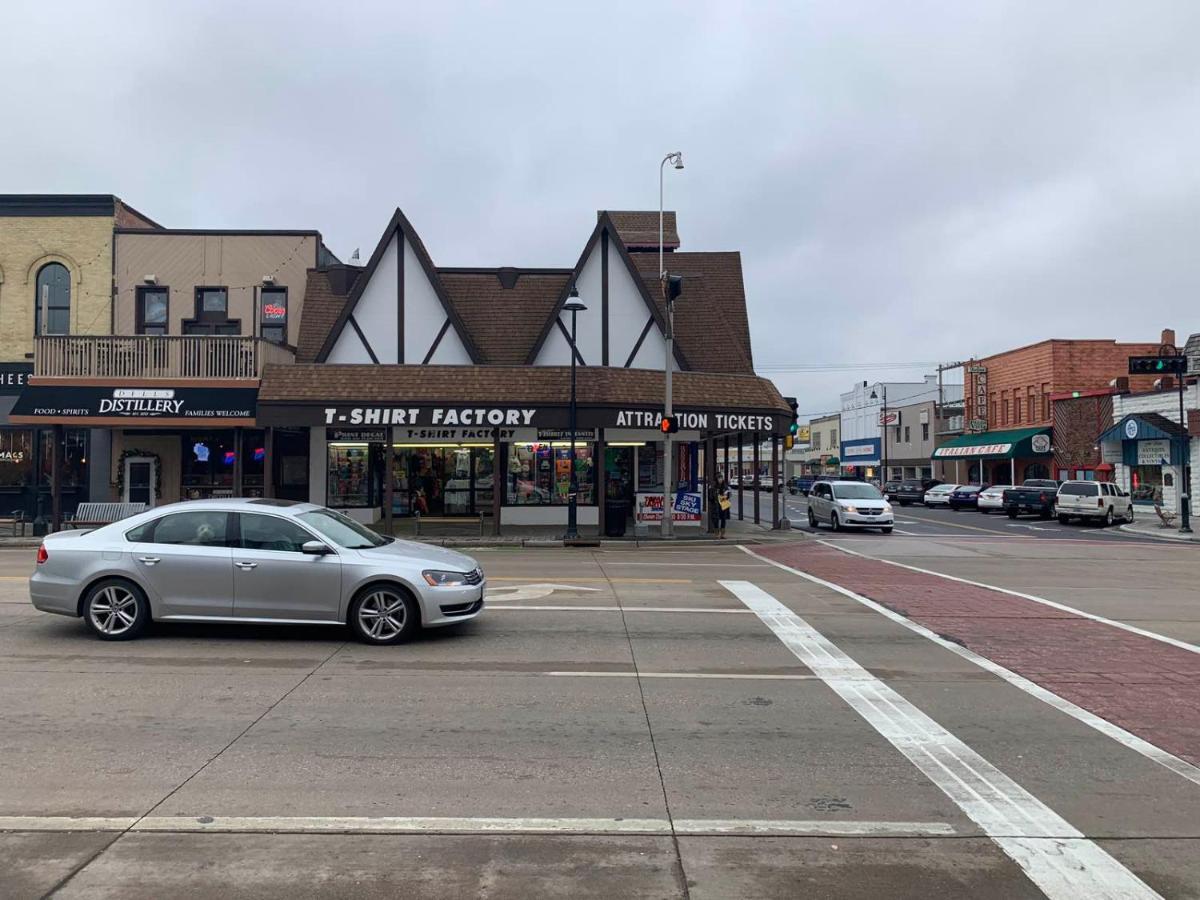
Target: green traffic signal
{"x":1160,"y":365}
{"x":794,"y":428}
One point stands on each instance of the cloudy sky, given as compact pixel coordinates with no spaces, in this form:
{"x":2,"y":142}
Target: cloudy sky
{"x":907,"y":182}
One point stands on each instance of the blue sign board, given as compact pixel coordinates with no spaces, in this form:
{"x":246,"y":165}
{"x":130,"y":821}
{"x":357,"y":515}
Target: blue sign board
{"x":863,"y":452}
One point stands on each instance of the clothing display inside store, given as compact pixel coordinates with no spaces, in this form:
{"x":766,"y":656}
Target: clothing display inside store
{"x":539,"y":474}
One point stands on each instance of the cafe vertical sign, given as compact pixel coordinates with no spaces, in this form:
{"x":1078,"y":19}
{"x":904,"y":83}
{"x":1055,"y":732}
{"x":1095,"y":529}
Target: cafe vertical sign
{"x":979,"y":422}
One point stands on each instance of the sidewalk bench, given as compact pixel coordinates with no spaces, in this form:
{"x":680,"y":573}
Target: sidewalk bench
{"x":443,"y":520}
{"x":90,"y":515}
{"x":16,"y":519}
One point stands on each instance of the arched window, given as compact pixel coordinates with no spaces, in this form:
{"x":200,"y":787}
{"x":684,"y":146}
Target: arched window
{"x":52,"y":302}
{"x":1036,"y":470}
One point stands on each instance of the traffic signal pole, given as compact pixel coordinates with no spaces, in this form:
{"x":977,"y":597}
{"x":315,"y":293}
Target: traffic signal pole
{"x":1185,"y":502}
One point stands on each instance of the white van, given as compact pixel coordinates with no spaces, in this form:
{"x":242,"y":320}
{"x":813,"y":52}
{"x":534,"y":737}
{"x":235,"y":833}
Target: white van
{"x":1099,"y":501}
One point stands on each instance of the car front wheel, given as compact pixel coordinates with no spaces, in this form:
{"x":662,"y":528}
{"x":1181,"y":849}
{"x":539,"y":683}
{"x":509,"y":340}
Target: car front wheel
{"x":116,"y":610}
{"x":384,"y":614}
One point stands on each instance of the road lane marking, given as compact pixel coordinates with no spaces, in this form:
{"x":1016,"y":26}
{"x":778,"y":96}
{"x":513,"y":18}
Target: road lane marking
{"x":591,"y":580}
{"x":1108,"y":729}
{"x":1133,"y":629}
{"x":738,"y":676}
{"x":472,"y":825}
{"x":1052,"y":852}
{"x":531,"y":591}
{"x":628,"y":609}
{"x":688,"y":565}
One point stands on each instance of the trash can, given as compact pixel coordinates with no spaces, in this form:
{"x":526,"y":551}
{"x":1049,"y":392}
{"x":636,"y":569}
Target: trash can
{"x":615,"y":514}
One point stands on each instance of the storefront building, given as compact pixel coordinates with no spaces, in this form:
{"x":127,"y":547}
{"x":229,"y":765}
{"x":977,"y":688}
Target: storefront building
{"x":998,"y":457}
{"x":412,"y":388}
{"x":915,"y":431}
{"x":1146,"y":445}
{"x":56,"y":253}
{"x":861,"y":459}
{"x":824,"y":448}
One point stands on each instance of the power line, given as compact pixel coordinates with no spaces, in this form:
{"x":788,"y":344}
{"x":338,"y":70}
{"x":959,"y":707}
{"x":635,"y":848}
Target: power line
{"x":844,"y":367}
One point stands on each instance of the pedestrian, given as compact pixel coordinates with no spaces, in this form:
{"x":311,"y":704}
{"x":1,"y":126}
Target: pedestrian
{"x":719,"y":503}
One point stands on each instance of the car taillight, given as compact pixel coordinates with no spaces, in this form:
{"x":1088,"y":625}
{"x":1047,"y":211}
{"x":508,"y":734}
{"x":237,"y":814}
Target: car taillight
{"x":1099,"y":501}
{"x":42,"y":554}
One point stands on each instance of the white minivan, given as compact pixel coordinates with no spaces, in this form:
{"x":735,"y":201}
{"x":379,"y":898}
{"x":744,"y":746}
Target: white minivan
{"x":1099,"y":501}
{"x":849,"y":504}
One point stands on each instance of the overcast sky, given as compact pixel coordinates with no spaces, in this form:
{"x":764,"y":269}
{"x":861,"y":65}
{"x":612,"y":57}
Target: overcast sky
{"x":906,"y":182}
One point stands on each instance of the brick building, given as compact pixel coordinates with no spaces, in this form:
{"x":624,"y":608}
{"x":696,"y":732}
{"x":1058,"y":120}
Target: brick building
{"x":1010,"y":407}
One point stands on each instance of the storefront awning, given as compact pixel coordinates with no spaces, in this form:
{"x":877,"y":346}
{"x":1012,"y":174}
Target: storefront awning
{"x":1018,"y":443}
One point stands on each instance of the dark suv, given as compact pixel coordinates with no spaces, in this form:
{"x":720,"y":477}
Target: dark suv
{"x":910,"y":491}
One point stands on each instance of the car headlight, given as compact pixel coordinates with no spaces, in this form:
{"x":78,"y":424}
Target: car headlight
{"x":438,"y":578}
{"x":850,"y":508}
{"x":887,"y":507}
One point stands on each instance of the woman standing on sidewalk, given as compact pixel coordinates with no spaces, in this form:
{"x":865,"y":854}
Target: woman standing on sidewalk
{"x":719,"y":503}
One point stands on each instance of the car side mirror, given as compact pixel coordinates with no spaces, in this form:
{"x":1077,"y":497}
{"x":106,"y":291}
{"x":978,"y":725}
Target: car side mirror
{"x":315,"y":548}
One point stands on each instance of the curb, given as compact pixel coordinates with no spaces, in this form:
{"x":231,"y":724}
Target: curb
{"x":1175,"y":538}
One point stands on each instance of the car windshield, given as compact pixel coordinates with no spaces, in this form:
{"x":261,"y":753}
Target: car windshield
{"x":856,"y":492}
{"x":342,"y":530}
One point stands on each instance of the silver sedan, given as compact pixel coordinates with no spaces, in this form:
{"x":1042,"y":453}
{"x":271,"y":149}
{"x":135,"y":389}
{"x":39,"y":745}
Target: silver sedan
{"x":252,"y":561}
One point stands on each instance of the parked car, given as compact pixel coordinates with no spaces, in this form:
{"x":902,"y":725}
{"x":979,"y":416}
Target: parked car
{"x":909,"y":492}
{"x":764,"y":483}
{"x":992,"y":498}
{"x":965,"y":496}
{"x":1096,"y":501}
{"x":890,"y":488}
{"x":252,"y":561}
{"x":800,"y":484}
{"x":938,"y":495}
{"x":849,"y":504}
{"x":1035,"y":495}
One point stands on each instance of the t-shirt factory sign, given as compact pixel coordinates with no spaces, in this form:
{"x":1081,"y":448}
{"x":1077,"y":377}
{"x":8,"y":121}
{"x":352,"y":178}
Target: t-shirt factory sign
{"x":113,"y":405}
{"x":489,"y":417}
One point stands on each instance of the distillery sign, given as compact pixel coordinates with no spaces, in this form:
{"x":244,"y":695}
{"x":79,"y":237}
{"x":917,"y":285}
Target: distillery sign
{"x":77,"y":402}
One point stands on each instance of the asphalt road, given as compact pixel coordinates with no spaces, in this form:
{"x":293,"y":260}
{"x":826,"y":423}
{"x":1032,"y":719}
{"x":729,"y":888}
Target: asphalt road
{"x":941,"y":522}
{"x":829,"y":718}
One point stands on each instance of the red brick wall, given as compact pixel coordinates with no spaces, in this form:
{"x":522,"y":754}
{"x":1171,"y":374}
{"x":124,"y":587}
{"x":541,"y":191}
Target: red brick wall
{"x":1051,"y":367}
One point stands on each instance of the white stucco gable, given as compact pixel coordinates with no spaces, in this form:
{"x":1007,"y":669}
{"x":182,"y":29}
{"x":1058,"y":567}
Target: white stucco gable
{"x":397,"y":314}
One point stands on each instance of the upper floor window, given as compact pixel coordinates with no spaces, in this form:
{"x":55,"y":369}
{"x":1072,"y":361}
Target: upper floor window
{"x":212,"y":313}
{"x":152,"y":304}
{"x":52,"y":307}
{"x":273,"y":314}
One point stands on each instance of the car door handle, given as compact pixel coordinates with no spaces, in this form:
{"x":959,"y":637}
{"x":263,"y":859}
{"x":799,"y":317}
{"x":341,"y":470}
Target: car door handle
{"x":246,"y":566}
{"x":149,"y":560}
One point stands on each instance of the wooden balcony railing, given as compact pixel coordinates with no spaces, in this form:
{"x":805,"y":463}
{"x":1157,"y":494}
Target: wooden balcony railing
{"x":159,"y":356}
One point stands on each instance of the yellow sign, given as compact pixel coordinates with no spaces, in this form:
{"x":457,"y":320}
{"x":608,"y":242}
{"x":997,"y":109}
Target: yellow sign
{"x":804,"y":435}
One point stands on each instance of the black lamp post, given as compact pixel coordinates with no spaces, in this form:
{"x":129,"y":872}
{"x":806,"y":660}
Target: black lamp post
{"x":573,"y":305}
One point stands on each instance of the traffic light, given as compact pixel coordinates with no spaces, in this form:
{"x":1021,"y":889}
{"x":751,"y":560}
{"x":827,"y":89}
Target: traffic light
{"x":794,"y":428}
{"x":1158,"y":365}
{"x":669,"y":425}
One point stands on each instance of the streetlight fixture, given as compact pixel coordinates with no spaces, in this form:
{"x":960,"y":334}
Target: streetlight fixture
{"x":668,"y":513}
{"x":574,"y":306}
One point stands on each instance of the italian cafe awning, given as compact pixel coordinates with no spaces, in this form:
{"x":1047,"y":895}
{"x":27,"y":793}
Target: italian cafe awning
{"x":1017,"y":443}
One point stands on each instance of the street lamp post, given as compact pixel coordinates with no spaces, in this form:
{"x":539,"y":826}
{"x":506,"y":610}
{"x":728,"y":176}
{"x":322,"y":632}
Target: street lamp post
{"x":1185,"y":501}
{"x":883,"y":426}
{"x":573,"y":305}
{"x":675,"y":159}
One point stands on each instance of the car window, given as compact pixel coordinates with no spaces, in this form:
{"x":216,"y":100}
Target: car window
{"x":1080,"y":490}
{"x":857,"y":492}
{"x":342,"y":530}
{"x":207,"y":528}
{"x":143,"y":533}
{"x":259,"y":532}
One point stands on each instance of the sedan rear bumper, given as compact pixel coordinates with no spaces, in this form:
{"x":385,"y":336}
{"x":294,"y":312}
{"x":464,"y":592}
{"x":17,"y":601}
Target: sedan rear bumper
{"x":53,"y":595}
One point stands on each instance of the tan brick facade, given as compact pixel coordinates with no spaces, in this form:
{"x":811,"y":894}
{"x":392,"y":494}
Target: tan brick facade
{"x":81,"y":243}
{"x":1020,"y":382}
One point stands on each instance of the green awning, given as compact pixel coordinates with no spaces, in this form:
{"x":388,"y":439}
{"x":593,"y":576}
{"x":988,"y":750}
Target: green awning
{"x":1017,"y":443}
{"x":833,"y":461}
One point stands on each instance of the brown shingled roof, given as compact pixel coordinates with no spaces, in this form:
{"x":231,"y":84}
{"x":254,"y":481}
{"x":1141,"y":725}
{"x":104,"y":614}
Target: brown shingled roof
{"x":638,"y":229}
{"x":321,"y":310}
{"x":504,"y":321}
{"x":544,"y":385}
{"x":710,"y":315}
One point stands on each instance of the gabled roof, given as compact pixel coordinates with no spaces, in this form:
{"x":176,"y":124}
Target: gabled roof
{"x":638,"y":229}
{"x":504,"y":309}
{"x":604,"y":224}
{"x":399,"y":224}
{"x":710,"y":316}
{"x":1153,"y":427}
{"x":323,"y":307}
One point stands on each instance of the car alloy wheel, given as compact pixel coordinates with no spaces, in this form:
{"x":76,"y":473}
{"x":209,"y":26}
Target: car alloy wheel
{"x":115,"y":611}
{"x":383,"y":615}
{"x":1109,"y":518}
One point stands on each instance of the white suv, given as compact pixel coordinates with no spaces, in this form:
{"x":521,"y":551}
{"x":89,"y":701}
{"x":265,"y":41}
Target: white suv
{"x":1100,"y":501}
{"x":849,"y":504}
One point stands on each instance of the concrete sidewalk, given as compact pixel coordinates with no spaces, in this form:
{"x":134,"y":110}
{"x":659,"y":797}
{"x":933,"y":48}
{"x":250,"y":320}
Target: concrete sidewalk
{"x":1149,"y":526}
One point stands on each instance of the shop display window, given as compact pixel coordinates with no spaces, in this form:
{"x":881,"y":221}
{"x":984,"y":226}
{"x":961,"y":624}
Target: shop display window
{"x":16,"y":457}
{"x":74,"y":457}
{"x":1142,"y":482}
{"x":349,"y":475}
{"x":539,"y":474}
{"x":207,"y":460}
{"x":649,"y":463}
